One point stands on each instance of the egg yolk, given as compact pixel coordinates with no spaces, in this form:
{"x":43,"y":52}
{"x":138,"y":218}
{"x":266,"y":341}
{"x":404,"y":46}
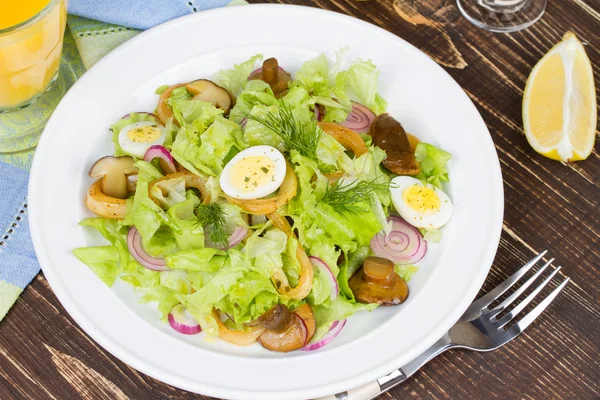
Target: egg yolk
{"x":144,"y":134}
{"x":251,"y":172}
{"x":421,"y":199}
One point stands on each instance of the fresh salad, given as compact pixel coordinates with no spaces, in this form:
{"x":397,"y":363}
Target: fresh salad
{"x":264,"y":207}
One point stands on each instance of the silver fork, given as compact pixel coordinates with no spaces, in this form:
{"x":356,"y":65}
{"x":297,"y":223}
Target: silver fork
{"x":481,"y":328}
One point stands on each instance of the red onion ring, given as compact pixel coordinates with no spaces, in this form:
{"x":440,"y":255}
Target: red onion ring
{"x":403,"y":245}
{"x":243,"y":122}
{"x":397,"y":240}
{"x":359,"y":119}
{"x":167,"y":164}
{"x":182,"y":321}
{"x":134,"y":245}
{"x":326,"y":271}
{"x":335,"y":330}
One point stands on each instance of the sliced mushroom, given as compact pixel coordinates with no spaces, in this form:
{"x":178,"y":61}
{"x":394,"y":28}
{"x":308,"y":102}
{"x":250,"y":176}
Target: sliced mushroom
{"x":293,"y":337}
{"x":162,"y":109}
{"x":275,"y":76}
{"x":388,"y":134}
{"x":240,"y":338}
{"x":306,"y":313}
{"x":191,"y":181}
{"x":287,"y":331}
{"x":132,"y":183}
{"x":205,"y":90}
{"x":346,"y":137}
{"x":103,"y":205}
{"x":376,"y":282}
{"x":113,"y":171}
{"x":277,"y":318}
{"x":279,"y":278}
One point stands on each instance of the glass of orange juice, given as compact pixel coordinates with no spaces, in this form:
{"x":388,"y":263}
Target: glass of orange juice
{"x":31,"y":40}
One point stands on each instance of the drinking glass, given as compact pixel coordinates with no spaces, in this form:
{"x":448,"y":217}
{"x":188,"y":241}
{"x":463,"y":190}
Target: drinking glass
{"x":502,"y":15}
{"x":30,"y":54}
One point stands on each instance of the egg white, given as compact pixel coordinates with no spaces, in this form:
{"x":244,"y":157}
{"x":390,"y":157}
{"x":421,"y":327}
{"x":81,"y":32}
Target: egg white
{"x":138,"y":149}
{"x":430,"y":220}
{"x":225,"y":180}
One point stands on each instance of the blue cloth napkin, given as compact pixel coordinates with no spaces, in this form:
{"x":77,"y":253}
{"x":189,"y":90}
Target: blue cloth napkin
{"x":18,"y":264}
{"x":139,"y":14}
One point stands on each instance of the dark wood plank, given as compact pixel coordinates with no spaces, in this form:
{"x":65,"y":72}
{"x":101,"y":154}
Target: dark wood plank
{"x":44,"y":354}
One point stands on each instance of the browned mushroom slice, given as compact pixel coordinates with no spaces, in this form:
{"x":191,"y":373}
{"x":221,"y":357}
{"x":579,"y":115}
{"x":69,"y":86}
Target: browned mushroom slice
{"x":163,"y":110}
{"x":191,"y":181}
{"x":293,"y":337}
{"x":308,"y":316}
{"x":376,"y":282}
{"x":388,"y":134}
{"x":205,"y":90}
{"x":113,"y":171}
{"x":277,"y":318}
{"x":275,"y":76}
{"x":103,"y":205}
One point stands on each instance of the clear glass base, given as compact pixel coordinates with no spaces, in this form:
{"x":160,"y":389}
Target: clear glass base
{"x":502,"y":15}
{"x":20,"y":129}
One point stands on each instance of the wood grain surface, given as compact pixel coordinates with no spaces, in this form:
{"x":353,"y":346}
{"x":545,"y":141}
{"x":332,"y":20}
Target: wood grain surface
{"x":548,"y":205}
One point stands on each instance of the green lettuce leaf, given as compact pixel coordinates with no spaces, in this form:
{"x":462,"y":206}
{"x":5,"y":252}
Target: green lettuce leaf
{"x":203,"y":301}
{"x":106,"y":261}
{"x":353,"y":262}
{"x":348,"y":231}
{"x":235,"y":79}
{"x":205,"y":259}
{"x":256,"y":134}
{"x":174,"y":189}
{"x":264,"y":250}
{"x":256,"y":93}
{"x":187,"y":232}
{"x":313,"y":76}
{"x":339,"y":309}
{"x":431,"y":235}
{"x":362,"y":78}
{"x":199,"y":113}
{"x":208,"y":152}
{"x":142,"y":212}
{"x":432,"y":162}
{"x":406,"y":272}
{"x":249,"y":298}
{"x":176,"y":280}
{"x":165,"y":297}
{"x":103,"y":260}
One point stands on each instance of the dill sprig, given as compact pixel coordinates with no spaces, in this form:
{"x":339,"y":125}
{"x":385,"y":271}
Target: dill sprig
{"x":348,"y":199}
{"x":295,"y":135}
{"x":212,"y":218}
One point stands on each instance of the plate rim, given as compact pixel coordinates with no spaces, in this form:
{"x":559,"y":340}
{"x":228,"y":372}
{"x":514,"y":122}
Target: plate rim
{"x":131,"y":359}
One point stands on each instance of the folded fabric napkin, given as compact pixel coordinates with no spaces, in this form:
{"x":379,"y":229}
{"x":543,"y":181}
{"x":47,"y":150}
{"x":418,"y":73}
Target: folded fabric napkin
{"x":97,"y":27}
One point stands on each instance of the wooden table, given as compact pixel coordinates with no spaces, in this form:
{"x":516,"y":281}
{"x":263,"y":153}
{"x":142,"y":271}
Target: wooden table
{"x":44,"y":354}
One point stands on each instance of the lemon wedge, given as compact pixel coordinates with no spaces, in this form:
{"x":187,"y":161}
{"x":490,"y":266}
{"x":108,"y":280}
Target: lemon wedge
{"x":559,"y":104}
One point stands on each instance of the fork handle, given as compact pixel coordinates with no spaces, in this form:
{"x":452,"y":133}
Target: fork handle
{"x":374,"y":389}
{"x":364,"y":392}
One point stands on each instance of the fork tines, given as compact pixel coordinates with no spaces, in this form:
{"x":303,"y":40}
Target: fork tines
{"x":494,"y":314}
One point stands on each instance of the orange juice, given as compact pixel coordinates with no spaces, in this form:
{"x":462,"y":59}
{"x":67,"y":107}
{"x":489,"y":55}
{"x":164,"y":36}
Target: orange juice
{"x":31,"y":38}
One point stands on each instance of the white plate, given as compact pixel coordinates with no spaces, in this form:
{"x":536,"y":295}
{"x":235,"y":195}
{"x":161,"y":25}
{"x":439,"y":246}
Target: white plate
{"x":420,"y":94}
